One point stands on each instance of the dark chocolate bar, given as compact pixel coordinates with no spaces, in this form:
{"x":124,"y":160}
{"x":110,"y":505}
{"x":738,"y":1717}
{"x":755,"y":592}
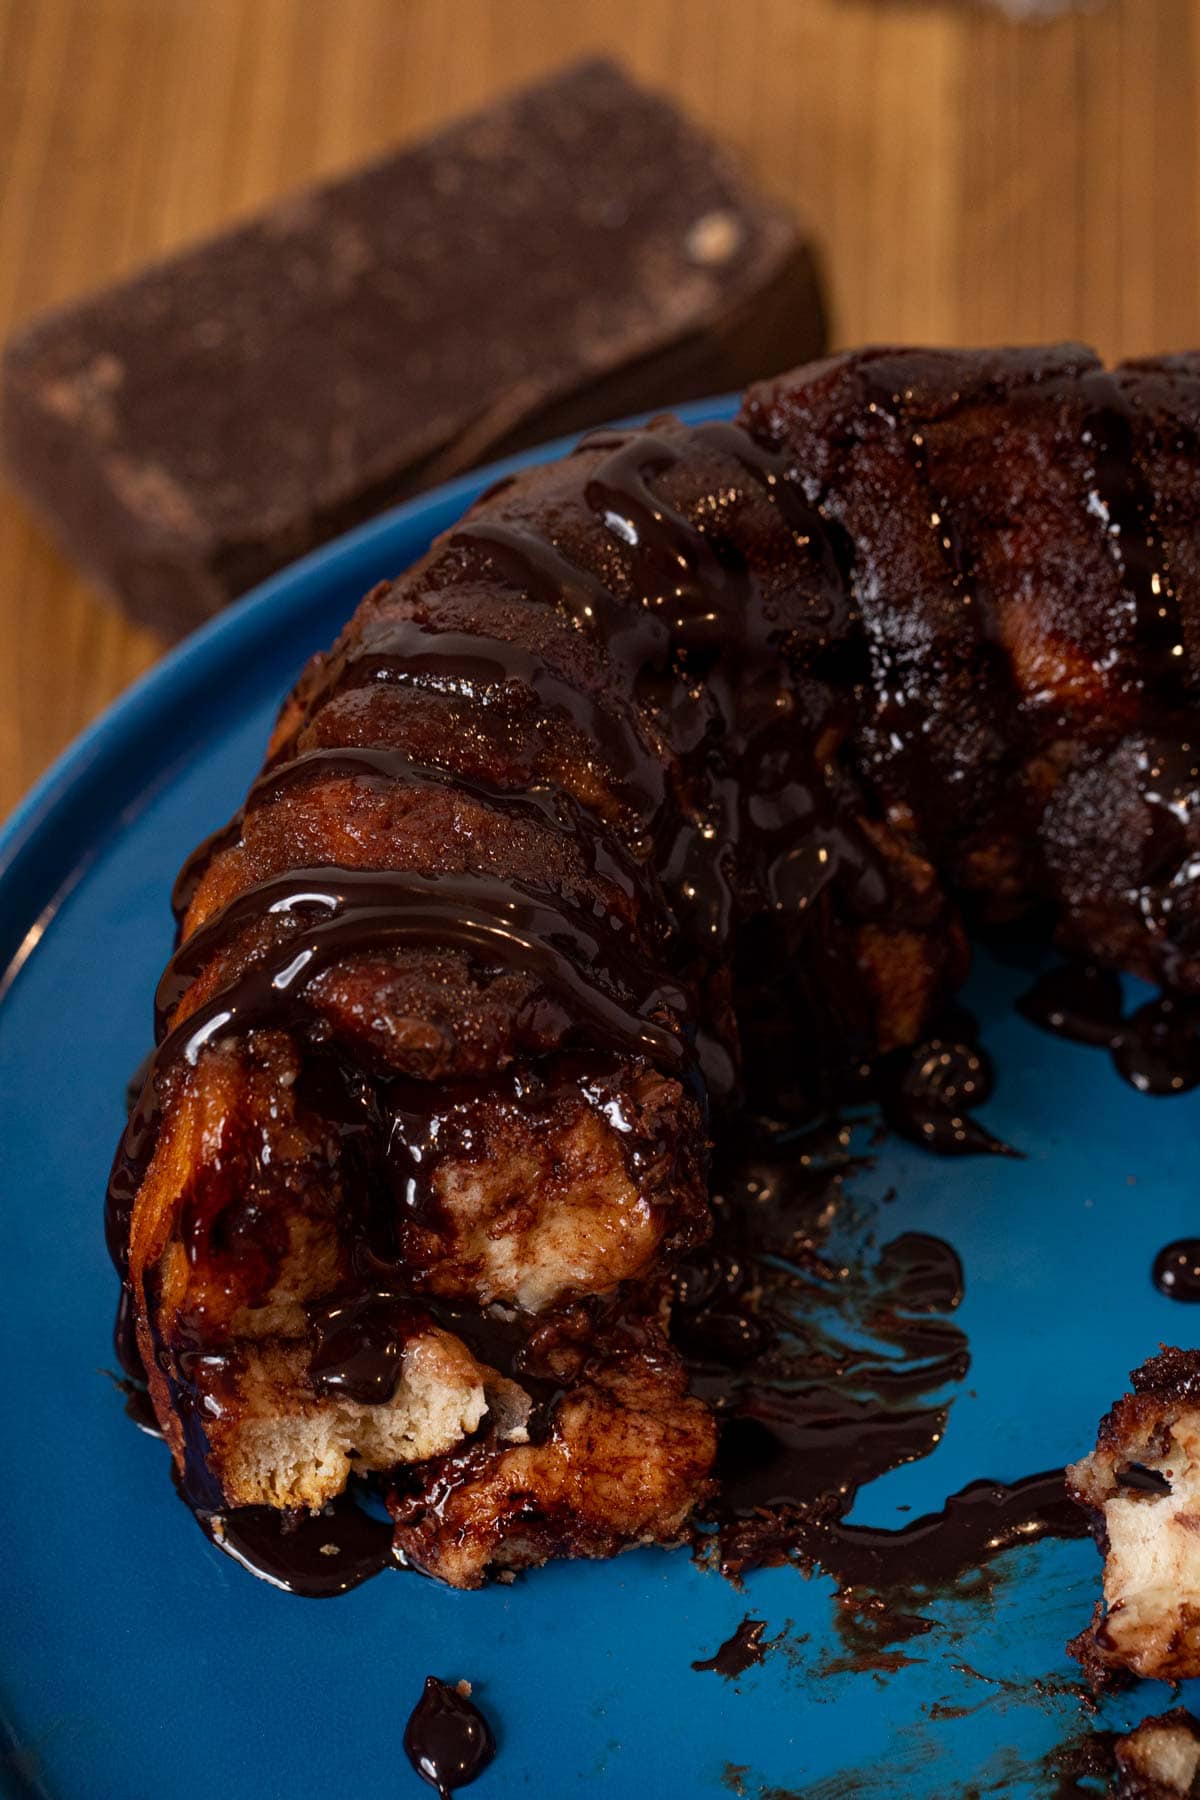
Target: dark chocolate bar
{"x":573,"y":253}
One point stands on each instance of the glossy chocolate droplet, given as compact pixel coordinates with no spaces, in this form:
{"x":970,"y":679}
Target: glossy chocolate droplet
{"x":1177,"y":1270}
{"x":928,"y":1093}
{"x":1158,"y":1048}
{"x":447,"y":1739}
{"x":1077,"y":1001}
{"x":920,"y":1273}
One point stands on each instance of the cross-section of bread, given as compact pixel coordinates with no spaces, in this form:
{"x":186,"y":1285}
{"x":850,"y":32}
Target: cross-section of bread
{"x":1141,"y":1485}
{"x":275,"y":1361}
{"x":626,"y":1463}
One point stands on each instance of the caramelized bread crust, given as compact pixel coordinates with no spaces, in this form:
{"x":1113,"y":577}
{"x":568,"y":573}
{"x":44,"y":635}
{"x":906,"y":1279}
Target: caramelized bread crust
{"x":653,"y":778}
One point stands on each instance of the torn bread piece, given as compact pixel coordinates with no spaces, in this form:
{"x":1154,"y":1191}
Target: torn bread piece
{"x":1160,"y":1760}
{"x":1142,"y":1486}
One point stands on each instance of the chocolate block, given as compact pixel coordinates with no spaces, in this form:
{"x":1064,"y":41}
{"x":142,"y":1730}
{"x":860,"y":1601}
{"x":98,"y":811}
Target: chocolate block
{"x":576,"y":252}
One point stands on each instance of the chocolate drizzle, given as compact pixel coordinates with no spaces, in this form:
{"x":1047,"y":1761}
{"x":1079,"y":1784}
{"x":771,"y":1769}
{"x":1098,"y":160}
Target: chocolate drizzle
{"x":732,"y":733}
{"x":447,"y":1739}
{"x":1123,"y":499}
{"x":594,"y":975}
{"x":751,"y":818}
{"x":409,"y":652}
{"x":197,"y":865}
{"x":543,"y":803}
{"x":379,"y":767}
{"x":764,"y":818}
{"x":1156,"y":1048}
{"x":359,"y":910}
{"x":752,"y":811}
{"x":358,"y":1342}
{"x":1138,"y":1479}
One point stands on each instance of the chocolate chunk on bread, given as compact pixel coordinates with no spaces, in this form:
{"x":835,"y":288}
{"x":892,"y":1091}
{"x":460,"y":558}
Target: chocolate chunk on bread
{"x":570,"y":254}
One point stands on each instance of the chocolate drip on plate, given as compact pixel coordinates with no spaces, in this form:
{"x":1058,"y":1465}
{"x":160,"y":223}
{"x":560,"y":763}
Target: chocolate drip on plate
{"x":1176,"y":1271}
{"x":1077,"y":1001}
{"x":772,"y":1328}
{"x":744,"y":1650}
{"x":929,"y":1092}
{"x":1123,"y":499}
{"x":315,"y":1556}
{"x":975,"y":1525}
{"x":1155,"y":1048}
{"x":887,"y":1577}
{"x":447,"y":1739}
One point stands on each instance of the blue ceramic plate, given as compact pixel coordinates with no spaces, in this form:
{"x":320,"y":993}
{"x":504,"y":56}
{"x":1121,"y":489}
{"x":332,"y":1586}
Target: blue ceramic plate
{"x":135,"y":1659}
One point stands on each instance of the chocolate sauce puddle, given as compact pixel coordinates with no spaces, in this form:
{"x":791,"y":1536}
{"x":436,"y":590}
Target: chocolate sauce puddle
{"x":743,"y":1650}
{"x":1083,"y":1768}
{"x":771,"y":1320}
{"x":772,"y":1326}
{"x":885,"y":1575}
{"x":319,"y":1556}
{"x":447,"y":1739}
{"x":1156,"y":1048}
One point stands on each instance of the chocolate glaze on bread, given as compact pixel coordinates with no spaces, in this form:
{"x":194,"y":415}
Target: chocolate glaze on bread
{"x":663,"y":772}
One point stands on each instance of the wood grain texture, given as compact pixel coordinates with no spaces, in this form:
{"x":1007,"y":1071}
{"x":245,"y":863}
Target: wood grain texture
{"x":969,"y":179}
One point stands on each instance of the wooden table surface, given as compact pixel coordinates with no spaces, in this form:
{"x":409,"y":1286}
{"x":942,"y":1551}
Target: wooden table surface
{"x":969,"y":180}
